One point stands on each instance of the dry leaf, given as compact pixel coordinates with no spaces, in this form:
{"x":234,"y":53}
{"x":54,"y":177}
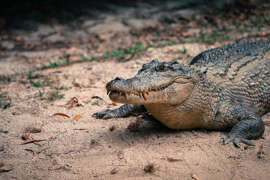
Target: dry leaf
{"x":76,"y":117}
{"x":75,"y":59}
{"x":72,"y":50}
{"x":18,"y":38}
{"x":73,"y":102}
{"x":192,"y":24}
{"x":232,"y":162}
{"x":194,"y":176}
{"x":62,"y":115}
{"x":191,"y":32}
{"x":169,"y":159}
{"x":75,"y":41}
{"x":79,"y":85}
{"x":75,"y":84}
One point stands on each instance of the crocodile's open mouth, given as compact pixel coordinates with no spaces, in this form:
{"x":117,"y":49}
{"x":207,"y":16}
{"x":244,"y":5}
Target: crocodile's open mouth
{"x":114,"y":93}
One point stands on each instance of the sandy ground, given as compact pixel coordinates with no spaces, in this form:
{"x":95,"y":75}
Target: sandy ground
{"x":41,"y":138}
{"x":81,"y":147}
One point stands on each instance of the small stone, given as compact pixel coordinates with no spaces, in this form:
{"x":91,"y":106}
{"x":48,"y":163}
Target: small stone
{"x":88,"y":23}
{"x":139,"y":24}
{"x":7,"y":45}
{"x":112,"y":128}
{"x":45,"y":30}
{"x":55,"y":38}
{"x":93,"y":141}
{"x":114,"y":170}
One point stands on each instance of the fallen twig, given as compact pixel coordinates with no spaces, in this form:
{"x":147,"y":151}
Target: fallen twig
{"x":80,"y":129}
{"x":32,"y":141}
{"x":194,"y":176}
{"x":27,"y":137}
{"x":170,"y":159}
{"x":61,"y":114}
{"x":35,"y":153}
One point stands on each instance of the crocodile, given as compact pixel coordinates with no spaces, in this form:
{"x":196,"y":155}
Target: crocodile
{"x":224,"y":88}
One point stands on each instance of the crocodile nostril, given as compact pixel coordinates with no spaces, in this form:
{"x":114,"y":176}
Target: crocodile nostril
{"x":115,"y":83}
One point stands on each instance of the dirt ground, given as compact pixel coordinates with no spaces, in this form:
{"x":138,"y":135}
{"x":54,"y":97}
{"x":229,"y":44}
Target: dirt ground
{"x":46,"y":133}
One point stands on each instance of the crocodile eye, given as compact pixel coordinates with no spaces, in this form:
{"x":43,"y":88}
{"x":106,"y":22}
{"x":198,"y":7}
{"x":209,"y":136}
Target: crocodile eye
{"x":162,"y":67}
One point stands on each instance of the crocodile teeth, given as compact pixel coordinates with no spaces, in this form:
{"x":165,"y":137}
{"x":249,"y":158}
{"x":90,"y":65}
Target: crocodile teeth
{"x":108,"y":92}
{"x":145,"y":96}
{"x":126,"y":95}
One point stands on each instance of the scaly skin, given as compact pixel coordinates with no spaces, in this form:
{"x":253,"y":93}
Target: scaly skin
{"x":226,"y":87}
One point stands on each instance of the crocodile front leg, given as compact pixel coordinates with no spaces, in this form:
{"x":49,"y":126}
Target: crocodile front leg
{"x":122,"y":111}
{"x":249,"y":126}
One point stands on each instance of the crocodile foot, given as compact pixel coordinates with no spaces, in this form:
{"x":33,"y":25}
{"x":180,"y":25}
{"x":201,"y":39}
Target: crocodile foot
{"x":236,"y":140}
{"x":107,"y":114}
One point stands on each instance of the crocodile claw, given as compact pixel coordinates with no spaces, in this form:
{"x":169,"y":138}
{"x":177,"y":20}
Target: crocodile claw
{"x":236,"y":140}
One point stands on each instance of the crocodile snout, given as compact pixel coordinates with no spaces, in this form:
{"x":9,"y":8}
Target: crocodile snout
{"x":115,"y":83}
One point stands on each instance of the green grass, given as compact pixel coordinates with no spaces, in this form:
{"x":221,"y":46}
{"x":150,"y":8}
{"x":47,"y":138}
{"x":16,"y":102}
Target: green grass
{"x":131,"y":50}
{"x":54,"y":95}
{"x":113,"y":54}
{"x":5,"y":79}
{"x":172,"y":43}
{"x":94,"y":58}
{"x":85,"y":59}
{"x":41,"y":95}
{"x":208,"y":38}
{"x":3,"y":131}
{"x":55,"y":64}
{"x":185,"y":51}
{"x":36,"y":84}
{"x":118,"y":54}
{"x":32,"y":77}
